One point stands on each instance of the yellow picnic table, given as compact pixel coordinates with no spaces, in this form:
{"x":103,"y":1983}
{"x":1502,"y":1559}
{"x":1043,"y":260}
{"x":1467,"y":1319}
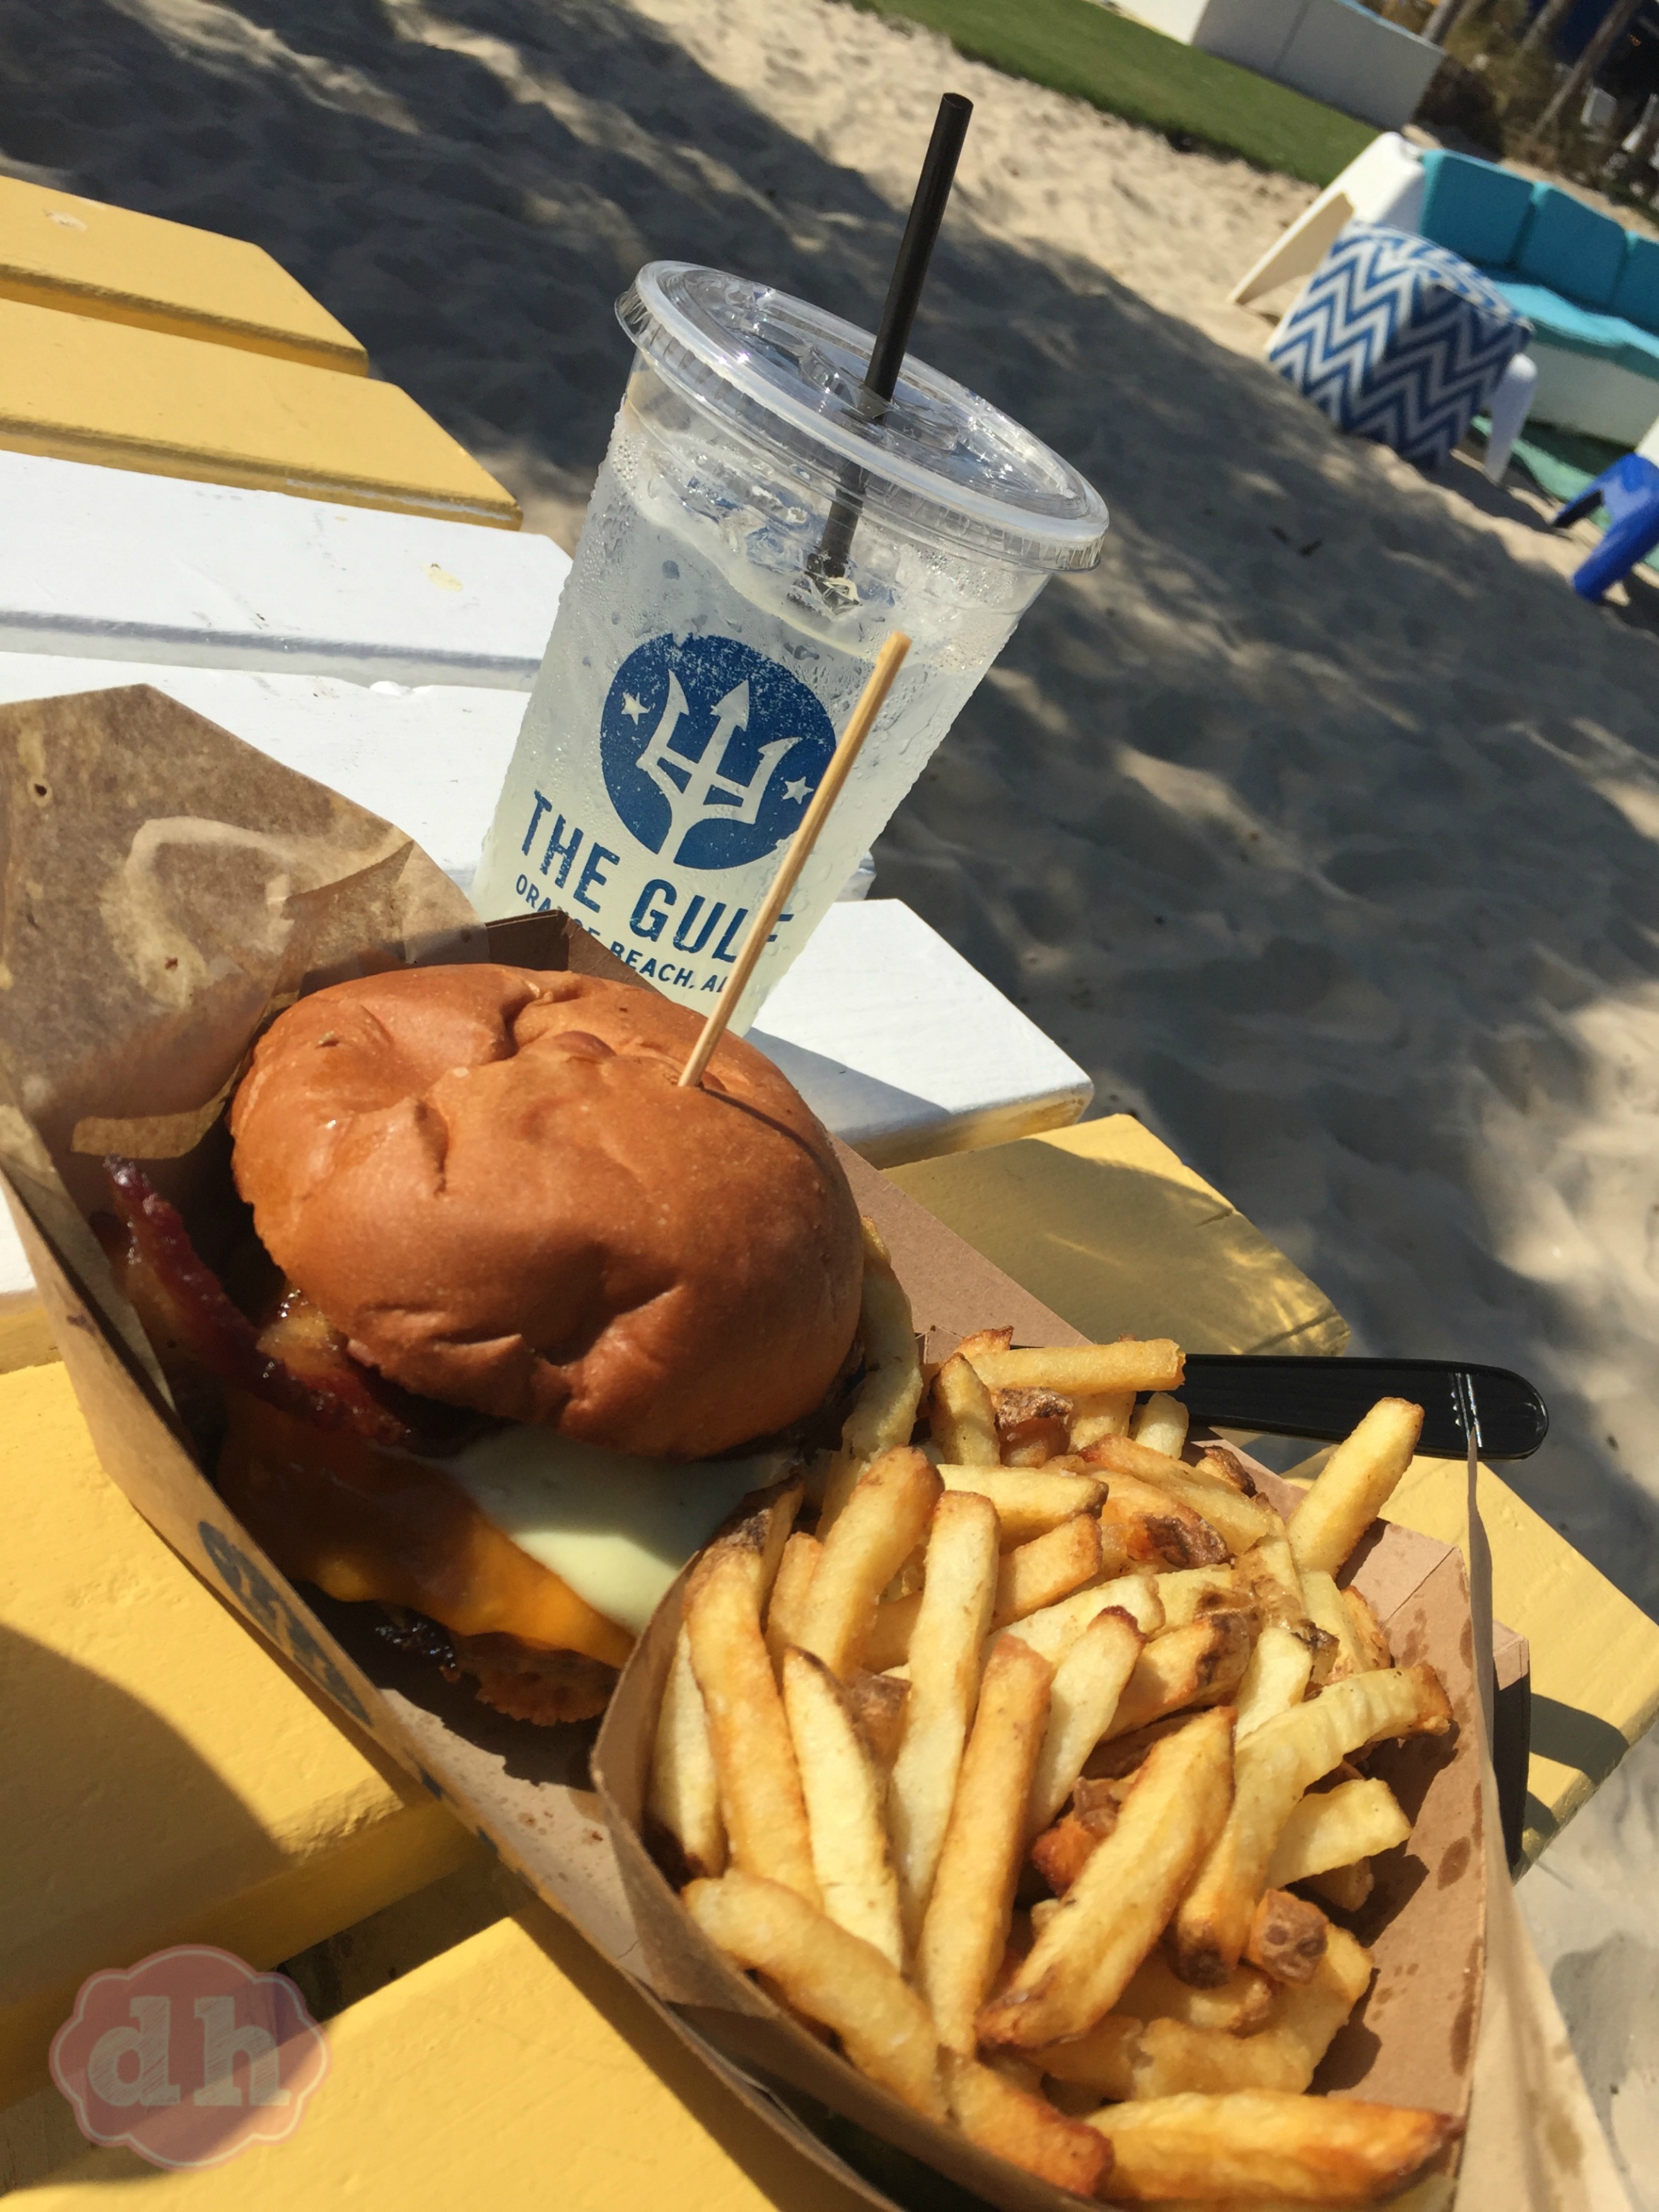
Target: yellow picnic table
{"x":179,"y":1781}
{"x":166,"y":1777}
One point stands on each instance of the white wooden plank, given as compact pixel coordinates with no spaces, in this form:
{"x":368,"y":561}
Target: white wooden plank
{"x":904,"y":1049}
{"x":113,"y":564}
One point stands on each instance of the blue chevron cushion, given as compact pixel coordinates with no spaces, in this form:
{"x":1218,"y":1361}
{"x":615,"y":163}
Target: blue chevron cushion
{"x":1398,"y":339}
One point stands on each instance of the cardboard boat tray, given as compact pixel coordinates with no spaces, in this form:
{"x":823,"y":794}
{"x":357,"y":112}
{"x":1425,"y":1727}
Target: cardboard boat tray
{"x":151,"y":799}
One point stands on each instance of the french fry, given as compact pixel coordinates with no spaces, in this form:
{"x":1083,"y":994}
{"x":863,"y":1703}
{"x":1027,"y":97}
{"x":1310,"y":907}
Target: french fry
{"x":1355,"y":1484}
{"x":1189,"y":1592}
{"x":1060,"y":1853}
{"x":1258,"y":2144}
{"x":684,"y":1792}
{"x":1166,"y":2057}
{"x":1335,"y":1829}
{"x":1159,"y":1532}
{"x":1270,"y":1568}
{"x":1275,"y":1680}
{"x":1275,"y":1768}
{"x":1221,"y":1463}
{"x":1348,"y":1887}
{"x":1054,"y":1629}
{"x":1130,"y":1454}
{"x":983,"y":1341}
{"x":884,"y":1411}
{"x":961,"y":1416}
{"x":882,"y":1523}
{"x":844,"y":1794}
{"x":1029,"y":1500}
{"x":946,"y":1646}
{"x":1156,"y":2047}
{"x":1100,"y":1414}
{"x":830,"y":1975}
{"x":1082,"y":1369}
{"x":888,"y":1642}
{"x":1033,"y":1426}
{"x":1241,"y":2004}
{"x":1195,"y":1665}
{"x":1117,"y":1758}
{"x":1088,"y":1682}
{"x":966,"y":1924}
{"x":785,"y":1611}
{"x":1046,"y":1570}
{"x":1287,"y":1938}
{"x":1241,"y":1521}
{"x":1000,"y":2115}
{"x":1368,"y":1630}
{"x":760,"y":1791}
{"x":1115,"y":1911}
{"x":757,"y":1531}
{"x":1102,"y":2061}
{"x":1160,"y":1425}
{"x":877,"y":1703}
{"x":1326,"y":1610}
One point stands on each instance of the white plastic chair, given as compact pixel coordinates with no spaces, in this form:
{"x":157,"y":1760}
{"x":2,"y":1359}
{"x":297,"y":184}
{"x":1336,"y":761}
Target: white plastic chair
{"x":1383,"y":184}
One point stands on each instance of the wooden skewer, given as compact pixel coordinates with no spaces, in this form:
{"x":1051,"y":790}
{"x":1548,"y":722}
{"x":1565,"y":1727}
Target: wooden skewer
{"x":870,"y":702}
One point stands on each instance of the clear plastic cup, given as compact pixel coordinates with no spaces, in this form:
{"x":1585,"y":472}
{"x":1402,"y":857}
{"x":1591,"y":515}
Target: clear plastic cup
{"x":706,"y":657}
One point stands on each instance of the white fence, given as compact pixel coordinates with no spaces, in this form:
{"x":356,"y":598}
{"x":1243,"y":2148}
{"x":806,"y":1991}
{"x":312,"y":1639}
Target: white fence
{"x":1333,"y":50}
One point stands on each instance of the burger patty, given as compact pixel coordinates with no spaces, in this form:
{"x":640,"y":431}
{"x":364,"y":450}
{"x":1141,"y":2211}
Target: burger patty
{"x":515,"y":1678}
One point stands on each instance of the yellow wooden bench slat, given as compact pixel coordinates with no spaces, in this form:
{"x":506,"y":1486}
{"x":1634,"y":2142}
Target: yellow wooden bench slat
{"x":516,"y":2070}
{"x":83,"y":390}
{"x":167,"y":1776}
{"x":58,"y":250}
{"x":1104,"y":1223}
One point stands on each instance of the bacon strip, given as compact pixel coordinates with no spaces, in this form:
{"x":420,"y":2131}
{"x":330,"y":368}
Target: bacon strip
{"x":215,"y":1331}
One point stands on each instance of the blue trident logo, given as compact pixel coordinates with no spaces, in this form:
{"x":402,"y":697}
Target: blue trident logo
{"x":710,"y":751}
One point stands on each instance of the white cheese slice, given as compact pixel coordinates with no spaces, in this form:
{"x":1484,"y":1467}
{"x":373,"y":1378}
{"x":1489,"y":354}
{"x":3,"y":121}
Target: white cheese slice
{"x":617,"y":1529}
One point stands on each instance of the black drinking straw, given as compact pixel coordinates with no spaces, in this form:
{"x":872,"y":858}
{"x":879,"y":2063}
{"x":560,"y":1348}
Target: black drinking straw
{"x":893,"y":337}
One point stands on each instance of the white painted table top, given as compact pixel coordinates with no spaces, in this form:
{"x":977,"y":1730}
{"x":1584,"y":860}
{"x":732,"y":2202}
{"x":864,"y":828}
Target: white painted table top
{"x":903,"y":1049}
{"x":112,"y":564}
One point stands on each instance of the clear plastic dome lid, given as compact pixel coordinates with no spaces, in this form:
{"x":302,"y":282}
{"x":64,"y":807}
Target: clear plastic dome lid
{"x":789,"y":376}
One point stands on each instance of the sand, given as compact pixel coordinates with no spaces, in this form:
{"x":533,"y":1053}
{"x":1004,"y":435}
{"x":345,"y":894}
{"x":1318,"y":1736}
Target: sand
{"x":1319,"y":823}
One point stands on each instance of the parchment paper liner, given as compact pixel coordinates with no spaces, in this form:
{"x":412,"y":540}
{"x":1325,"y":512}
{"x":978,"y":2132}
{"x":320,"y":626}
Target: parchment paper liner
{"x":164,"y":887}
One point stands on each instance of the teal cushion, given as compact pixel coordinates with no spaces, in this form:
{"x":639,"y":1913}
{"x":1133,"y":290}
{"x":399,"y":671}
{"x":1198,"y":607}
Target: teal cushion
{"x":1562,"y":322}
{"x":1636,"y":295}
{"x":1568,"y":247}
{"x":1473,"y":207}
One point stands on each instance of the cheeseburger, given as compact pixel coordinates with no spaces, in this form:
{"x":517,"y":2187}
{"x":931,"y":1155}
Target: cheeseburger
{"x":520,"y":1320}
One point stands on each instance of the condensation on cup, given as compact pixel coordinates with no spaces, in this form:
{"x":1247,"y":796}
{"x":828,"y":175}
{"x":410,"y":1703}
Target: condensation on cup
{"x":706,"y":655}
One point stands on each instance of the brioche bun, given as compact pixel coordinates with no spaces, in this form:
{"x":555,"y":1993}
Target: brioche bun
{"x":488,"y":1181}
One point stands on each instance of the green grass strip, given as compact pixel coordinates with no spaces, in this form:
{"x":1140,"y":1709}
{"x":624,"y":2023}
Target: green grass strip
{"x":1075,"y":47}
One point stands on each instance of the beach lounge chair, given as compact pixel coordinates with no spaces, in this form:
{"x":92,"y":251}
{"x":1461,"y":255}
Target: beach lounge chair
{"x":1383,"y":184}
{"x":1589,"y":289}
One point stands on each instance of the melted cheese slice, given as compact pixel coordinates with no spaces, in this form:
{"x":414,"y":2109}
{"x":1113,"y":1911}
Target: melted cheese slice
{"x":615,"y":1529}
